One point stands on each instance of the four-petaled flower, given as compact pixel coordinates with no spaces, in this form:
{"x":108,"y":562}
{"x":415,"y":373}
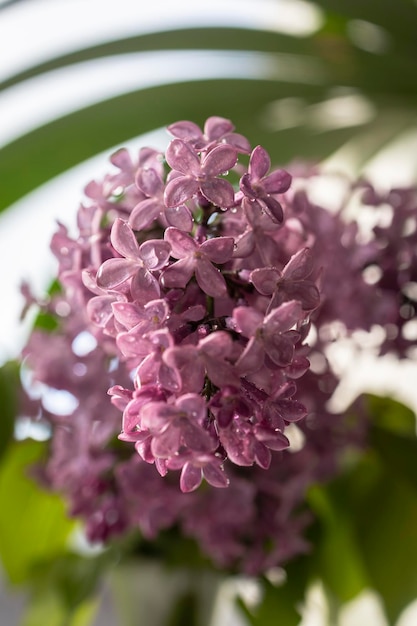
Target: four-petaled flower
{"x":192,"y":175}
{"x":216,"y":130}
{"x":289,"y":284}
{"x":136,"y":263}
{"x":177,"y":427}
{"x":259,"y":187}
{"x":153,"y":206}
{"x":193,"y":363}
{"x":197,"y":258}
{"x":268,"y":336}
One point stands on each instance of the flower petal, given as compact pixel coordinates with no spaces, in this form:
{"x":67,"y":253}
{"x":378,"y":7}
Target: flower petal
{"x":155,"y":253}
{"x":180,"y":217}
{"x":215,"y":476}
{"x":126,"y":313}
{"x":144,"y":287}
{"x":219,"y":160}
{"x":123,"y":239}
{"x":252,"y":358}
{"x":306,"y":292}
{"x":99,"y":309}
{"x":180,"y":156}
{"x":283,"y":318}
{"x":217,"y":345}
{"x":279,"y":348}
{"x":259,"y":163}
{"x":167,"y":443}
{"x":218,"y":249}
{"x":145,"y":213}
{"x":182,"y":245}
{"x":149,"y":181}
{"x":196,"y":438}
{"x":299,"y":266}
{"x":114,"y":272}
{"x":216,"y":127}
{"x":178,"y":274}
{"x":265,"y":279}
{"x":278,"y":181}
{"x":273,"y":208}
{"x":179,"y":190}
{"x":185,"y":130}
{"x":191,"y":478}
{"x":218,"y":191}
{"x":247,"y":320}
{"x":209,"y":278}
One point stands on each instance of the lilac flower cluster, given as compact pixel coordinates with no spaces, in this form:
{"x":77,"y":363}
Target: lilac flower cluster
{"x":194,"y":314}
{"x":190,"y":293}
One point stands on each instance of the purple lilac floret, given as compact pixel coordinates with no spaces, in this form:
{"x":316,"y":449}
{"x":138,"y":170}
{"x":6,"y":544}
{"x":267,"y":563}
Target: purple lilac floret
{"x":199,"y":299}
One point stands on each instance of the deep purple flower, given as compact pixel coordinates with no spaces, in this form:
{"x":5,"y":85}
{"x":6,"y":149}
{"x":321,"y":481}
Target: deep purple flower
{"x":268,"y":336}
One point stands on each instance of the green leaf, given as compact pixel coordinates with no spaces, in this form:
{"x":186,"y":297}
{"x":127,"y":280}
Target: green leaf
{"x":391,"y":415}
{"x":40,"y":157}
{"x":46,"y":608}
{"x":280,"y":604}
{"x":398,"y":453}
{"x":9,"y":392}
{"x":74,"y":578}
{"x":198,"y":38}
{"x":36,"y":527}
{"x":387,"y":535}
{"x":368,"y":517}
{"x":339,"y":561}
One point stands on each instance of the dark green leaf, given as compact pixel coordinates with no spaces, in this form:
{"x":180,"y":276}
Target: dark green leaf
{"x":281,"y":604}
{"x":9,"y":397}
{"x":398,"y":453}
{"x":338,"y":559}
{"x":391,"y":415}
{"x":387,"y":535}
{"x":38,"y":156}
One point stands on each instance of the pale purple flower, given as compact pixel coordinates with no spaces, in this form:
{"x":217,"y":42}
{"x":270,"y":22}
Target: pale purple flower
{"x":147,"y":352}
{"x":197,"y":259}
{"x":199,"y":176}
{"x":135,"y":262}
{"x":259,"y":187}
{"x":150,"y":182}
{"x":290,"y":283}
{"x":147,"y":158}
{"x":216,"y":130}
{"x":195,"y":466}
{"x":178,"y":426}
{"x":258,"y":239}
{"x":247,"y":444}
{"x":207,"y":358}
{"x":143,"y":319}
